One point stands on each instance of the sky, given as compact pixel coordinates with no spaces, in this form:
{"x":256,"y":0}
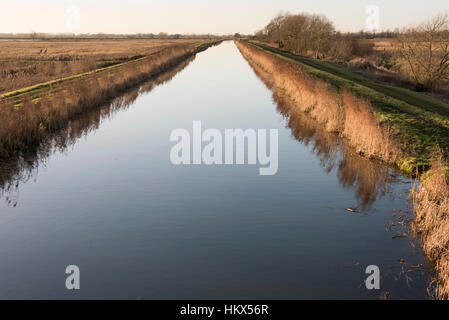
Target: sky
{"x":200,"y":16}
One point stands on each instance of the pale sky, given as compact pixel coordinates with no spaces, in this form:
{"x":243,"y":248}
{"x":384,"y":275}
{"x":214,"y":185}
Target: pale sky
{"x":200,"y":16}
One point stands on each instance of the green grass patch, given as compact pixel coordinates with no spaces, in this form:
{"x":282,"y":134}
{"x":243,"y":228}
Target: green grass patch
{"x":201,"y":46}
{"x":38,"y":88}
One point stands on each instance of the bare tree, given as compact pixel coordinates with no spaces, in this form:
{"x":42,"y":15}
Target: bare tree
{"x":321,"y":32}
{"x":425,"y":51}
{"x":293,"y":33}
{"x":273,"y":29}
{"x":341,"y":47}
{"x":162,"y":35}
{"x":301,"y":33}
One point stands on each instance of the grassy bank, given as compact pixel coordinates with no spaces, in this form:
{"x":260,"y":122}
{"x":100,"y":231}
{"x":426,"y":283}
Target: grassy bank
{"x":16,"y":171}
{"x":338,"y":111}
{"x":420,"y":122}
{"x":105,"y":66}
{"x":27,"y":63}
{"x":405,"y":132}
{"x":29,"y":114}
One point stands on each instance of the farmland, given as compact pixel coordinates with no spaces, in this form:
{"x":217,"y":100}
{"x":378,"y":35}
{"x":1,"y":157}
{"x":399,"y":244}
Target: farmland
{"x":27,"y":63}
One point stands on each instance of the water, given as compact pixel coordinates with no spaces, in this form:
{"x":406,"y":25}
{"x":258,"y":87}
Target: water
{"x":103,"y":195}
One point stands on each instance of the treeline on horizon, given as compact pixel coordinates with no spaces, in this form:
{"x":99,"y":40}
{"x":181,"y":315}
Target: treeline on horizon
{"x":313,"y":34}
{"x":419,"y":53}
{"x":89,"y":36}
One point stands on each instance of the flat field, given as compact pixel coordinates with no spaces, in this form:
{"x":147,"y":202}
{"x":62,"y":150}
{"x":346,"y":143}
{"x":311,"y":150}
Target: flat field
{"x":27,"y":63}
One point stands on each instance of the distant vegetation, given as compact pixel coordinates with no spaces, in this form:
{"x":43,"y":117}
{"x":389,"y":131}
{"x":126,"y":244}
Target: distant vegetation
{"x":419,"y":55}
{"x":26,"y":63}
{"x":425,"y":52}
{"x":341,"y":111}
{"x":312,"y":35}
{"x":97,"y":36}
{"x":300,"y":33}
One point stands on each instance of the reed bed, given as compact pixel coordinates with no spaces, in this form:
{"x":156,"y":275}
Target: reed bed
{"x":79,"y":49}
{"x":27,"y":123}
{"x":19,"y":74}
{"x":27,"y":63}
{"x":337,"y":110}
{"x":431,"y":206}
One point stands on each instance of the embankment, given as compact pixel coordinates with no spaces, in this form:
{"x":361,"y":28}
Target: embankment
{"x":383,"y":133}
{"x":338,"y":111}
{"x":420,"y":122}
{"x":16,"y":171}
{"x":29,"y":117}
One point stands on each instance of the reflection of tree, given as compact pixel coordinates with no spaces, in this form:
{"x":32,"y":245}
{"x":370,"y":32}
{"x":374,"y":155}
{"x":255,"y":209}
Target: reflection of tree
{"x":369,"y":179}
{"x":18,"y":171}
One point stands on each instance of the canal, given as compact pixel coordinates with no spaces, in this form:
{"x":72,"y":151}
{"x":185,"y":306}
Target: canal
{"x":103,"y":195}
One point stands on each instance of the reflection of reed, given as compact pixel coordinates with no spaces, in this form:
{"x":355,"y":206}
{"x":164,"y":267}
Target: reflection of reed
{"x":19,"y":170}
{"x":336,"y":109}
{"x":316,"y":120}
{"x":27,"y":119}
{"x":369,"y":178}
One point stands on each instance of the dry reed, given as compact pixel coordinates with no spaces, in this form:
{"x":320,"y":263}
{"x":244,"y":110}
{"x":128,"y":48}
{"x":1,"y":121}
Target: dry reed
{"x":19,"y":74}
{"x":353,"y":119}
{"x":340,"y":112}
{"x":26,"y":124}
{"x":431,"y":206}
{"x":369,"y":179}
{"x":26,"y":63}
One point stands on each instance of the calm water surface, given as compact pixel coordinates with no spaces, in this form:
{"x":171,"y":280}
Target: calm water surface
{"x":104,"y":195}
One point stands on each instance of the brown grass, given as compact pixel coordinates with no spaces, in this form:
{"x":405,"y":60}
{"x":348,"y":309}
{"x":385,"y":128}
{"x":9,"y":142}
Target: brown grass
{"x":431,"y":206}
{"x":98,"y":49}
{"x":382,"y":45}
{"x":340,"y":112}
{"x":353,"y":119}
{"x":24,"y":64}
{"x":369,"y":179}
{"x":16,"y":171}
{"x":27,"y":124}
{"x":19,"y":74}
